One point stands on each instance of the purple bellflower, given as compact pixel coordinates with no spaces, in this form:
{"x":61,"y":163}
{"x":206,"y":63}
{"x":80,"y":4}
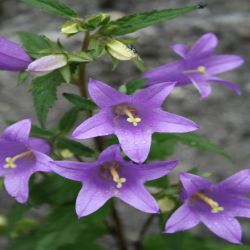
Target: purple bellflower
{"x":215,"y":205}
{"x":20,"y":157}
{"x":132,"y":118}
{"x":13,"y":56}
{"x":111,"y":176}
{"x":198,"y":66}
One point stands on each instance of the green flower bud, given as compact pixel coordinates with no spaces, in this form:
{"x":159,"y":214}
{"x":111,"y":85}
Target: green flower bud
{"x":71,"y":27}
{"x":97,"y":20}
{"x":120,"y":50}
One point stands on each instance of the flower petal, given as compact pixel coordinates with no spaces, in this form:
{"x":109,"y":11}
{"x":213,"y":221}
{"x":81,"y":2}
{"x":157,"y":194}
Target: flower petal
{"x":162,"y":121}
{"x":42,"y":162}
{"x":90,"y":198}
{"x":155,"y":170}
{"x":98,"y":125}
{"x":182,"y":219}
{"x":225,"y":227}
{"x":204,"y":46}
{"x":193,"y":183}
{"x":135,"y":142}
{"x":154,"y":95}
{"x":222,"y":63}
{"x":233,"y":86}
{"x":104,"y":95}
{"x":136,"y":195}
{"x":39,"y":144}
{"x":76,"y":171}
{"x":112,"y":153}
{"x":17,"y":184}
{"x":202,"y":86}
{"x":238,"y":183}
{"x":19,"y":131}
{"x":180,"y":49}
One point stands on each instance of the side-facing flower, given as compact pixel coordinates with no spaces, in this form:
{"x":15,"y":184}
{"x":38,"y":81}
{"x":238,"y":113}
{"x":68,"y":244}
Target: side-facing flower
{"x":198,"y":66}
{"x":111,"y":176}
{"x":13,"y":56}
{"x":47,"y":64}
{"x":20,"y":157}
{"x":215,"y":205}
{"x":132,"y":118}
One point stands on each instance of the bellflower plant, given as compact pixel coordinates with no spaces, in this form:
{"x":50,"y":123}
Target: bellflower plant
{"x":132,"y":118}
{"x":20,"y":157}
{"x":215,"y":205}
{"x":133,"y":113}
{"x":111,"y":176}
{"x":13,"y":56}
{"x":198,"y":66}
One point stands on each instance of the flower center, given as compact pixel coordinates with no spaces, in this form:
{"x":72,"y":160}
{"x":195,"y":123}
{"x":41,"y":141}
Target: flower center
{"x":215,"y":206}
{"x":10,"y":161}
{"x":200,"y":69}
{"x":111,"y":169}
{"x":125,"y":110}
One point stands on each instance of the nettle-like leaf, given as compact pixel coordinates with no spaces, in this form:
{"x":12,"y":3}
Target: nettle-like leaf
{"x":38,"y":45}
{"x":80,"y":102}
{"x":69,"y":119}
{"x":44,"y":91}
{"x":132,"y":23}
{"x":54,"y":7}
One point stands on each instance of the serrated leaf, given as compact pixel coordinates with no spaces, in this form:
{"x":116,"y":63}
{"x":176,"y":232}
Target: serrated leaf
{"x":23,"y":77}
{"x":80,"y":102}
{"x":38,"y":46}
{"x":54,"y":7}
{"x":75,"y":147}
{"x":132,"y":23}
{"x":44,"y":91}
{"x":69,"y":119}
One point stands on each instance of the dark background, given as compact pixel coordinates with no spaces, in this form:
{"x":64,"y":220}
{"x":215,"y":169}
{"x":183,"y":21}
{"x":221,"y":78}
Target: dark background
{"x":223,"y":117}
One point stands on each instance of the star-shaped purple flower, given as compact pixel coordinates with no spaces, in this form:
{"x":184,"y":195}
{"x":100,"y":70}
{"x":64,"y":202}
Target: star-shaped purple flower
{"x":111,"y":176}
{"x":13,"y":57}
{"x":132,"y":118}
{"x":20,"y":157}
{"x":215,"y":205}
{"x":198,"y":66}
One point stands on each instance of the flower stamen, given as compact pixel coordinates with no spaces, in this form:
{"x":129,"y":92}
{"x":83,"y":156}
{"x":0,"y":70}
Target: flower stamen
{"x":200,"y":69}
{"x":116,"y":178}
{"x":216,"y":208}
{"x":132,"y":118}
{"x":10,"y":161}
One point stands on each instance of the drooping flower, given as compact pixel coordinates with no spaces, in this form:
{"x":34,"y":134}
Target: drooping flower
{"x":132,"y":118}
{"x":111,"y":176}
{"x":20,"y":157}
{"x":215,"y":205}
{"x":13,"y":56}
{"x":198,"y":66}
{"x":47,"y":64}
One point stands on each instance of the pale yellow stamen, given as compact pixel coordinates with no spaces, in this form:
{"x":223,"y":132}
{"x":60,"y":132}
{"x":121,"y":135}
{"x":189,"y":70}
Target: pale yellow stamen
{"x":131,"y":118}
{"x":200,"y":69}
{"x":10,"y":161}
{"x":216,"y":208}
{"x":116,"y":178}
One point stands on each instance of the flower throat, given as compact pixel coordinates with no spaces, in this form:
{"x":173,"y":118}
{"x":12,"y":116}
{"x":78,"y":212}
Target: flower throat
{"x":11,"y":161}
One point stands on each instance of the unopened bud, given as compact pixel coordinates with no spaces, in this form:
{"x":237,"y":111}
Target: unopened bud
{"x":47,"y":64}
{"x":97,"y":20}
{"x":120,"y":50}
{"x":65,"y":153}
{"x":71,"y":27}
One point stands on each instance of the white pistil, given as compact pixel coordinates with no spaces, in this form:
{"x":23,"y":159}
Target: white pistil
{"x":216,"y":208}
{"x":116,"y":178}
{"x":131,"y":118}
{"x":200,"y":69}
{"x":10,"y":161}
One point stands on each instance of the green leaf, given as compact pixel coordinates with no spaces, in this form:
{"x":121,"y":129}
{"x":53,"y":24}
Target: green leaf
{"x":54,"y":7}
{"x":135,"y":85}
{"x":40,"y":132}
{"x":68,"y":120}
{"x":75,"y":147}
{"x":80,"y":102}
{"x":23,"y":77}
{"x":44,"y":90}
{"x":132,"y":23}
{"x":66,"y":73}
{"x":37,"y":45}
{"x":80,"y":56}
